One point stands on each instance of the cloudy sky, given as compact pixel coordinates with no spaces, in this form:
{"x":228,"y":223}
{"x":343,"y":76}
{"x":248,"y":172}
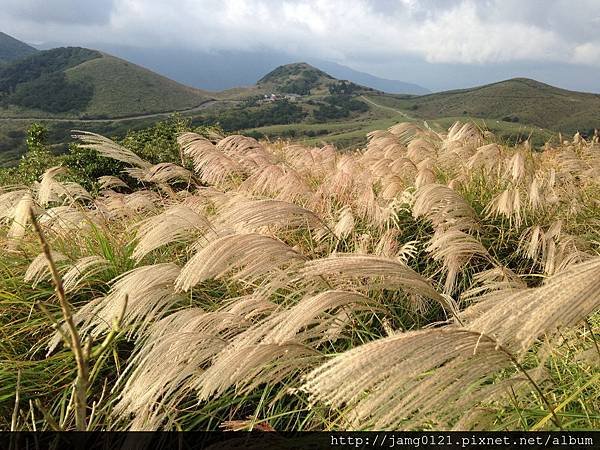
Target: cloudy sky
{"x":437,"y":43}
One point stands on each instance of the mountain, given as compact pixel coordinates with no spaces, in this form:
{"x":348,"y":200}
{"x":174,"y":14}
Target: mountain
{"x":519,"y":100}
{"x":296,"y":78}
{"x":226,"y":69}
{"x":12,"y":49}
{"x":79,"y":82}
{"x":366,"y":79}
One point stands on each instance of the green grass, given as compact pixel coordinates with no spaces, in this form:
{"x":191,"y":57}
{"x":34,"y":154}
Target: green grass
{"x":123,"y":89}
{"x":530,"y":101}
{"x":571,"y":374}
{"x":120,"y":89}
{"x":352,"y":132}
{"x":565,"y":369}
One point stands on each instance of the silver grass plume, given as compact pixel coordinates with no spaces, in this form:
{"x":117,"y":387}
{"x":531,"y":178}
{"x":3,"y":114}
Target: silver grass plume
{"x":375,"y":272}
{"x":109,"y":149}
{"x":149,"y":293}
{"x":253,"y":215}
{"x":152,"y":384}
{"x":244,"y":257}
{"x":410,"y":379}
{"x":178,"y":223}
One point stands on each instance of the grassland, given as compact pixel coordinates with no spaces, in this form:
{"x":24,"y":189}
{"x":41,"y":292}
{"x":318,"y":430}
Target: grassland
{"x":526,"y":101}
{"x":124,"y":89}
{"x":385,"y":113}
{"x":509,"y":109}
{"x":113,"y":88}
{"x":248,"y":285}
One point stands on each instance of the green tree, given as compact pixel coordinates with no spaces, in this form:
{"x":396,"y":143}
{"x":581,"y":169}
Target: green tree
{"x":38,"y":157}
{"x":86,"y":166}
{"x":37,"y":137}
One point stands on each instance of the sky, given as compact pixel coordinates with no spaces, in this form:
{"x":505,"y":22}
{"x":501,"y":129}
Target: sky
{"x":440,"y":44}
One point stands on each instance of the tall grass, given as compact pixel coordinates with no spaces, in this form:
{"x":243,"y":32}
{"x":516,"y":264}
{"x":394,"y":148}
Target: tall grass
{"x":427,"y":281}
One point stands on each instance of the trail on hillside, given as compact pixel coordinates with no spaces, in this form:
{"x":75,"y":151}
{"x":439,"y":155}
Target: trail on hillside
{"x":202,"y":106}
{"x":389,"y":108}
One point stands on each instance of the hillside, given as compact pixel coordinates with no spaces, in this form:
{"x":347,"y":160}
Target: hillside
{"x":302,"y":79}
{"x":12,"y":49}
{"x":218,"y":70}
{"x":122,"y":89}
{"x":292,"y":95}
{"x":82,"y":88}
{"x":76,"y":82}
{"x":517,"y":100}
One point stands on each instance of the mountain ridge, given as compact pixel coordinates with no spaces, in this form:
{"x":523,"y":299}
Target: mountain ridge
{"x":76,"y":82}
{"x":521,"y":100}
{"x":12,"y":49}
{"x":367,"y":79}
{"x":102,"y":86}
{"x":229,"y":69}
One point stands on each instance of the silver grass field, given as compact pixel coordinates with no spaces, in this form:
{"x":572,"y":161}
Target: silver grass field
{"x":424,"y":282}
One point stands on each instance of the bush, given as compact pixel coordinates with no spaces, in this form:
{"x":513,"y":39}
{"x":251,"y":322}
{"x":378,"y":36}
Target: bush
{"x":52,"y":93}
{"x":343,"y":88}
{"x":39,"y":81}
{"x":278,"y":113}
{"x":43,"y":63}
{"x":86,"y":166}
{"x":37,"y":158}
{"x":157,"y":143}
{"x":338,"y":107}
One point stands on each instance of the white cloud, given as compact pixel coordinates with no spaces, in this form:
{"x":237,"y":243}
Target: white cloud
{"x":588,"y":53}
{"x":439,"y":31}
{"x":462,"y":35}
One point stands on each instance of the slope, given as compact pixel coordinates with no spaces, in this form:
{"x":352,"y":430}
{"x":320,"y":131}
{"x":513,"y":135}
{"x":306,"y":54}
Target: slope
{"x":74,"y":82}
{"x":122,"y":89}
{"x":301,"y":79}
{"x":518,"y":100}
{"x":12,"y":49}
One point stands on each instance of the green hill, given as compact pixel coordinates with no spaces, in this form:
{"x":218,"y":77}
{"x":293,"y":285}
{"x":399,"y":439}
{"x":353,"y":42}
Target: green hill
{"x":296,"y":78}
{"x":73,"y":82}
{"x":303,"y":79}
{"x":519,"y":100}
{"x":12,"y":49}
{"x":122,"y":89}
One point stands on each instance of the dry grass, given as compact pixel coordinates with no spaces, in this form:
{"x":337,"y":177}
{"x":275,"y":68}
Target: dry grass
{"x":411,"y":284}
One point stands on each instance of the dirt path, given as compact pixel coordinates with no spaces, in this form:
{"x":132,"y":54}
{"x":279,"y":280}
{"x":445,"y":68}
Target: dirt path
{"x":389,"y":108}
{"x":204,"y":105}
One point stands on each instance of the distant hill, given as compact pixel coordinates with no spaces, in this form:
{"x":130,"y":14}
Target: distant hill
{"x":79,"y":82}
{"x":366,"y":79}
{"x":518,"y":100}
{"x":302,"y":79}
{"x":12,"y":49}
{"x":296,"y":78}
{"x":227,"y":69}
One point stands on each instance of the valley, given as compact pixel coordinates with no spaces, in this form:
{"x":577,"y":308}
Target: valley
{"x":72,"y":87}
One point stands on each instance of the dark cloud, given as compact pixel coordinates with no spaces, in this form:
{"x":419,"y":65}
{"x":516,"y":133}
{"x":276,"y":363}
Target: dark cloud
{"x":67,"y":12}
